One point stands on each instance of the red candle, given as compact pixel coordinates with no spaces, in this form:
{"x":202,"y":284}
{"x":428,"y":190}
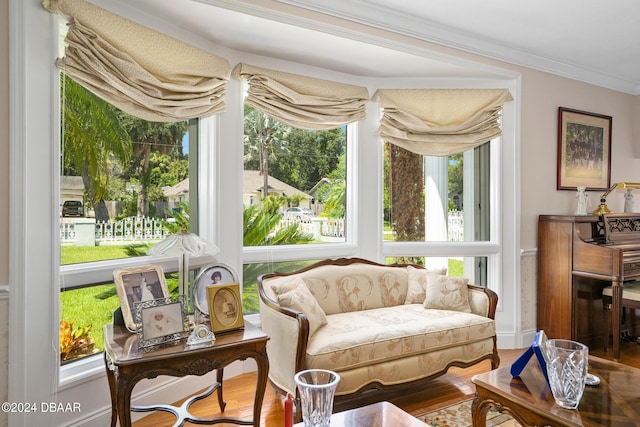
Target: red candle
{"x":288,"y":411}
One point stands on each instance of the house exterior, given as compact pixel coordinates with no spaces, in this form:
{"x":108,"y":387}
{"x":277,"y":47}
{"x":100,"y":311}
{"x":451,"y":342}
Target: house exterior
{"x":253,"y":184}
{"x":28,"y":362}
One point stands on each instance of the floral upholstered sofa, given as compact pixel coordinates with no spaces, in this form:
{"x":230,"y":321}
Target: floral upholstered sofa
{"x":382,"y":328}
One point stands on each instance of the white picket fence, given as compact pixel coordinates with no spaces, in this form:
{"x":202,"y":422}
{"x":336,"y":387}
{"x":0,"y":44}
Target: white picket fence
{"x":146,"y":228}
{"x":127,"y":229}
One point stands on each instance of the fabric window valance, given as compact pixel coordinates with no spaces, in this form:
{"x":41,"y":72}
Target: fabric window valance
{"x":300,"y":101}
{"x":143,"y":72}
{"x":440,"y":122}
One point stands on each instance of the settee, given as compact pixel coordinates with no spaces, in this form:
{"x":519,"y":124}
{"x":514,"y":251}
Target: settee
{"x":384,"y":329}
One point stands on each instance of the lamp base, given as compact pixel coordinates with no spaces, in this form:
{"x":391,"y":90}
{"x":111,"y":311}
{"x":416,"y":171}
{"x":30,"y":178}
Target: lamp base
{"x":602,"y":209}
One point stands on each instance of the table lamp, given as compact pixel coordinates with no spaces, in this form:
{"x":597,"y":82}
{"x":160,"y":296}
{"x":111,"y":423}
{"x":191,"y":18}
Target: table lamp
{"x":183,"y":245}
{"x":602,"y":207}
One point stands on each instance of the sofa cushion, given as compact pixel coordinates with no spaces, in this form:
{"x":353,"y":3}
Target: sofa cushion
{"x":295,"y":294}
{"x":363,"y":338}
{"x":447,"y":293}
{"x":417,"y":283}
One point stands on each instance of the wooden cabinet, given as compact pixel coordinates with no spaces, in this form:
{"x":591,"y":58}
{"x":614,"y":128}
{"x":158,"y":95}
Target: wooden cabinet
{"x":567,"y":308}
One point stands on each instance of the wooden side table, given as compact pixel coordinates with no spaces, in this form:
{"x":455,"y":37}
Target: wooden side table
{"x":126,"y":365}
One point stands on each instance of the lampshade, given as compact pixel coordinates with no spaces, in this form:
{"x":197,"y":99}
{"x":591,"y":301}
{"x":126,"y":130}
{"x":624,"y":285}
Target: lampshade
{"x":183,"y":245}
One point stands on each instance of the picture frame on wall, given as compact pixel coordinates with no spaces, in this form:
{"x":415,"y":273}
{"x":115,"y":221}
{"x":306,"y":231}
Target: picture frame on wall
{"x":138,"y":284}
{"x":584,"y":150}
{"x":160,"y":321}
{"x":225,"y":307}
{"x":213,"y":274}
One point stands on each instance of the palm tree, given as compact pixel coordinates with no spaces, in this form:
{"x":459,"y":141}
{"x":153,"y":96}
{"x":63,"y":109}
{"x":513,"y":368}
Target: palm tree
{"x":161,"y":137}
{"x":92,"y":138}
{"x":260,"y":226}
{"x":264,"y":138}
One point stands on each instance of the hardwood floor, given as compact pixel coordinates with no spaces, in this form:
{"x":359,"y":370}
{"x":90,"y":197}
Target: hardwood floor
{"x":453,"y":386}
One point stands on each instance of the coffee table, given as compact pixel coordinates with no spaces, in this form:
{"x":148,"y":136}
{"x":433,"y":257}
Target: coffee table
{"x":528,"y":399}
{"x":380,"y":414}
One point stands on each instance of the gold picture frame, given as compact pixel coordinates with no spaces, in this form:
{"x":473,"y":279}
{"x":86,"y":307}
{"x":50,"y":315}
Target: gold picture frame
{"x":584,"y":150}
{"x":225,"y":307}
{"x":138,"y":284}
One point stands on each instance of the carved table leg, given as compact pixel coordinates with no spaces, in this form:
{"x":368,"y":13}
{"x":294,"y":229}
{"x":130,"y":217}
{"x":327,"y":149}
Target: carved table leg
{"x":112,"y":391}
{"x":479,"y":409}
{"x":261,"y":385}
{"x":219,"y":377}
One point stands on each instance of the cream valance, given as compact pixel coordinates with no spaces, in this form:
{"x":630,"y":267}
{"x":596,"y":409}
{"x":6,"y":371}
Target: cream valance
{"x":440,"y":122}
{"x":141,"y":71}
{"x":300,"y":101}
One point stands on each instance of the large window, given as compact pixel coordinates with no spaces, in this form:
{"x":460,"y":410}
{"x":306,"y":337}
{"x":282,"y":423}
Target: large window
{"x":124,"y":186}
{"x":294,"y":193}
{"x":439,"y":202}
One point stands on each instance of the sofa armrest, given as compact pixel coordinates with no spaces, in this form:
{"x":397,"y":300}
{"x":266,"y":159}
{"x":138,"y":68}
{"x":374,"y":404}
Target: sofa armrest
{"x":289,"y":333}
{"x":483,"y":301}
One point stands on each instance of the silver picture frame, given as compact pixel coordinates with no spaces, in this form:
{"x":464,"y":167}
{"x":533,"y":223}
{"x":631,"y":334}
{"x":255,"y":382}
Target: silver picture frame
{"x":161,"y":321}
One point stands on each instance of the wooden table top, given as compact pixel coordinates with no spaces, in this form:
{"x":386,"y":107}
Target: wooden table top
{"x":380,"y":414}
{"x":614,"y":402}
{"x":122,"y":345}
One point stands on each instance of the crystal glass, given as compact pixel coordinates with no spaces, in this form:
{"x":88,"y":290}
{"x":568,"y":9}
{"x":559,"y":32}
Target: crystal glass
{"x":567,"y":367}
{"x":317,"y":388}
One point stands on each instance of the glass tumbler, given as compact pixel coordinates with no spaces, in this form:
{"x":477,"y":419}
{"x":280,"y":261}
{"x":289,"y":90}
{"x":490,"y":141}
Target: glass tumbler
{"x":567,"y":368}
{"x":317,"y":388}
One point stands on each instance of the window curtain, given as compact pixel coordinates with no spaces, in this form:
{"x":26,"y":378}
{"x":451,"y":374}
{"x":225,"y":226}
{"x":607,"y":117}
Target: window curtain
{"x":440,"y":122}
{"x":300,"y":101}
{"x":143,"y":72}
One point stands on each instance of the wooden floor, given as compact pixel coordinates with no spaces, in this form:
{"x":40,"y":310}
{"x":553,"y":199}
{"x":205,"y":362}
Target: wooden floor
{"x":453,"y":386}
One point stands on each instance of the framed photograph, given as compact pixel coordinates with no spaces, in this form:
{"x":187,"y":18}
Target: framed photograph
{"x":214,"y":274}
{"x":136,"y":285}
{"x":225,"y":307}
{"x":584,"y":150}
{"x":161,"y":321}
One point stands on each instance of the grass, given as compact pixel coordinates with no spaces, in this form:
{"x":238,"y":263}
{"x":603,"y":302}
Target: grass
{"x":83,"y":307}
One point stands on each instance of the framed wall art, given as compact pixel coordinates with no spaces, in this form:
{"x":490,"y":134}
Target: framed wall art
{"x":138,"y":284}
{"x":225,"y":307}
{"x":584,"y":150}
{"x":161,"y":321}
{"x":214,"y":274}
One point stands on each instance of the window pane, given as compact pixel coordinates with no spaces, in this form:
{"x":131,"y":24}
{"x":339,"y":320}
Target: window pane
{"x":251,"y":272}
{"x":428,"y":198}
{"x":294,"y":188}
{"x":121,"y":177}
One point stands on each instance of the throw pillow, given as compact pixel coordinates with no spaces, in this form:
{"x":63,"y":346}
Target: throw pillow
{"x":448,"y":293}
{"x":296,"y":295}
{"x":417,"y":283}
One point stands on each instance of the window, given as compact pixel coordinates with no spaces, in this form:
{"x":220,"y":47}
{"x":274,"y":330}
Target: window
{"x":294,"y":192}
{"x":123,"y":183}
{"x":446,"y":199}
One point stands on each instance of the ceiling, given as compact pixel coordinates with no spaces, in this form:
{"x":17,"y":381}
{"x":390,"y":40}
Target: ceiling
{"x":589,"y":40}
